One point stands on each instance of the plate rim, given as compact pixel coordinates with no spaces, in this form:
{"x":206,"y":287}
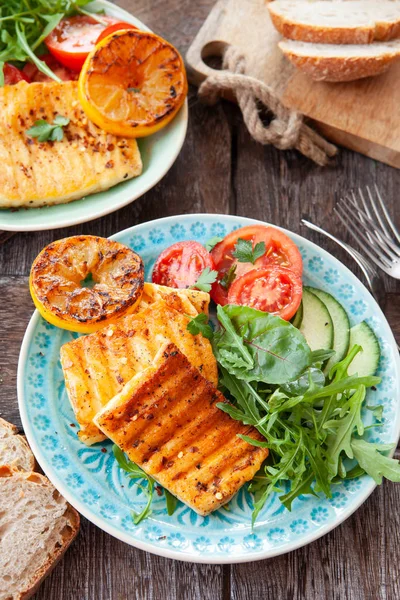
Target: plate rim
{"x":181,"y":121}
{"x":148,"y":546}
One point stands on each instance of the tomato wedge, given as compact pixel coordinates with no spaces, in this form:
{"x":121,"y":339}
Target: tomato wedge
{"x":74,"y":37}
{"x":280,"y":251}
{"x":181,"y":264}
{"x":113,"y":28}
{"x":274,"y":289}
{"x":12,"y":75}
{"x":33,"y":74}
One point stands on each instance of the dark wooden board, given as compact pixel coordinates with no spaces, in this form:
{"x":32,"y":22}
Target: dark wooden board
{"x":222,"y":170}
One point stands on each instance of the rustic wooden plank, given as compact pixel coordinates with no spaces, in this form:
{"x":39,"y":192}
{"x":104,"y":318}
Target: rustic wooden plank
{"x":356,"y":561}
{"x":98,"y":567}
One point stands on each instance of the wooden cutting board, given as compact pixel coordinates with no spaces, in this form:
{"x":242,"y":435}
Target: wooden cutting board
{"x":362,"y":115}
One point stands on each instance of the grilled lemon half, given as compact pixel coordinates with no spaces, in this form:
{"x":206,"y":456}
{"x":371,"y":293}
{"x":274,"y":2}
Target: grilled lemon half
{"x":132,"y":84}
{"x":83,"y":283}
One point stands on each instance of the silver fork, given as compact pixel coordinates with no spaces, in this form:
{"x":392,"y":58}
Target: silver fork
{"x":373,"y":279}
{"x":368,"y":221}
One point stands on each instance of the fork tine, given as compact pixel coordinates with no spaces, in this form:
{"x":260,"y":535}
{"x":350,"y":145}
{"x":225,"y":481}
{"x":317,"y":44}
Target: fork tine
{"x":374,"y":235}
{"x":359,"y":237}
{"x":385,"y":212}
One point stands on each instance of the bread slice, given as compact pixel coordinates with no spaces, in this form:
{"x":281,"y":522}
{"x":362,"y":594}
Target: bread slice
{"x":329,"y":62}
{"x":14,"y":449}
{"x":36,"y":527}
{"x":337,"y":22}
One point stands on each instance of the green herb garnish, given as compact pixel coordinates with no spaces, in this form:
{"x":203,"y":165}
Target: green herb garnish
{"x":135,"y":472}
{"x":244,"y":251}
{"x":209,"y":245}
{"x":229,"y":277}
{"x":24,"y":26}
{"x":200,"y":324}
{"x":206,"y":279}
{"x":312,"y":425}
{"x":46,"y":132}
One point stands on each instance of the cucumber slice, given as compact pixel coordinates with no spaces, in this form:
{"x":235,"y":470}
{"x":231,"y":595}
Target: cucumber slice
{"x":317,"y":326}
{"x":367,"y":360}
{"x":298,"y":317}
{"x":341,"y":326}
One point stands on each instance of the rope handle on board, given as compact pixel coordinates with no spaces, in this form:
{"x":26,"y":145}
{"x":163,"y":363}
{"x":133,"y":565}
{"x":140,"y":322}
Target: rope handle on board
{"x":286,"y":130}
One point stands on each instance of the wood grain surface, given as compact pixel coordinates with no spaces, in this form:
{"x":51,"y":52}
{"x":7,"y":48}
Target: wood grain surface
{"x":361,"y":115}
{"x":220,"y":169}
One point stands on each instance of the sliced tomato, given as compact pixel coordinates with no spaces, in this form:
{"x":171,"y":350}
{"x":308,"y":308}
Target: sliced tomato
{"x":74,"y":37}
{"x":32,"y":72}
{"x":181,"y":264}
{"x":12,"y":75}
{"x":113,"y":28}
{"x":280,"y":250}
{"x":273,"y":289}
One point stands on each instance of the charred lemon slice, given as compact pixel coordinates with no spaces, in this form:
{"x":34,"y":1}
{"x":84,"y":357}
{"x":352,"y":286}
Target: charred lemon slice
{"x":83,"y":283}
{"x":132,"y":84}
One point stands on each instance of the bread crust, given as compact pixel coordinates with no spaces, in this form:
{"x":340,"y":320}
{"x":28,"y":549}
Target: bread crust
{"x":72,"y":517}
{"x":340,"y":69}
{"x":12,"y":433}
{"x":309,"y":32}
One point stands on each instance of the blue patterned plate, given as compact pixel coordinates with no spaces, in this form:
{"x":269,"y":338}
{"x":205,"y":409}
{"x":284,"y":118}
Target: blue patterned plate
{"x":159,"y":152}
{"x":91,"y":480}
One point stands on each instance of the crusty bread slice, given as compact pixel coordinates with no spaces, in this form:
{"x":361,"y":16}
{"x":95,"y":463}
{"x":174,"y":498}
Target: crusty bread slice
{"x":329,"y":62}
{"x":337,"y":22}
{"x":36,"y":527}
{"x":14,"y":449}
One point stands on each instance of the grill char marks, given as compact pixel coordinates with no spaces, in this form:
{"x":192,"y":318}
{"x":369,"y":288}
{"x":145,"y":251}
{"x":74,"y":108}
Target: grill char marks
{"x":167,"y":421}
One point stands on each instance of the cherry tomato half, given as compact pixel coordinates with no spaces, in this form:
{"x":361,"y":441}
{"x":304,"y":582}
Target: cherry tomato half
{"x":74,"y":37}
{"x":280,"y":250}
{"x":113,"y":28}
{"x":181,"y":264}
{"x":12,"y":75}
{"x":274,"y":289}
{"x":32,"y":72}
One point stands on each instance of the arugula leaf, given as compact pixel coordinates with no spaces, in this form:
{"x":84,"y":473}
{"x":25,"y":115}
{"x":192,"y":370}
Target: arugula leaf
{"x":244,"y":252}
{"x":1,"y":73}
{"x":377,"y":411}
{"x":229,"y":277}
{"x":171,"y":502}
{"x":275,"y":351}
{"x":24,"y":26}
{"x":206,"y":279}
{"x":135,"y":472}
{"x":209,"y":245}
{"x":374,"y":463}
{"x":310,"y":380}
{"x":138,"y":517}
{"x":200,"y":324}
{"x":45,"y":132}
{"x":340,"y":440}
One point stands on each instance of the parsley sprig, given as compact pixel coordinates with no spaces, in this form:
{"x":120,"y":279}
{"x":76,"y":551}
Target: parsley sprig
{"x":206,"y":279}
{"x":46,"y":132}
{"x":244,"y":251}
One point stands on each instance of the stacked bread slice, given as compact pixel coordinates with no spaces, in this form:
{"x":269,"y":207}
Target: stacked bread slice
{"x":339,"y":40}
{"x":36,"y":523}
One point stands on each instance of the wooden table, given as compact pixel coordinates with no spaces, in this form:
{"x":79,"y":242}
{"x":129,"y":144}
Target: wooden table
{"x":220,"y":170}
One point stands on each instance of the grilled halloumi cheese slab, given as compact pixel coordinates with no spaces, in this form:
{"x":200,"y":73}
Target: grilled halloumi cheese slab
{"x":86,"y":161}
{"x":97,"y":366}
{"x":190,"y":302}
{"x":167,"y":421}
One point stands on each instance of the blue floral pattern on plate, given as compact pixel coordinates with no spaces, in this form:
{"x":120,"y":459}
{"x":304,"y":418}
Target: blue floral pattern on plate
{"x":91,"y":479}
